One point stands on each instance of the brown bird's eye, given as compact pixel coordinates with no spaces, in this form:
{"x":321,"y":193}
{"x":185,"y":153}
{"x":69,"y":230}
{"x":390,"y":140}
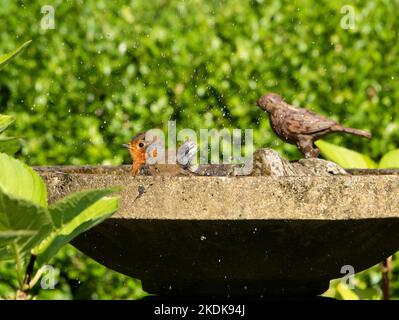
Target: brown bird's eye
{"x":141,"y":144}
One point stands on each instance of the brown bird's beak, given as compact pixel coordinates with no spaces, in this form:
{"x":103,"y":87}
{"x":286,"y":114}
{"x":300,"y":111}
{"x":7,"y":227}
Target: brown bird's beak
{"x":260,"y":104}
{"x":125,"y":145}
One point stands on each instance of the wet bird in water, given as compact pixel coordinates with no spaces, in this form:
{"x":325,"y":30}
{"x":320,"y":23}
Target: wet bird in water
{"x":299,"y":126}
{"x":140,"y":153}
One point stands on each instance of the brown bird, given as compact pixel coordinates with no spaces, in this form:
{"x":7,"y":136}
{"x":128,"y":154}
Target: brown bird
{"x":299,"y":126}
{"x":141,"y":152}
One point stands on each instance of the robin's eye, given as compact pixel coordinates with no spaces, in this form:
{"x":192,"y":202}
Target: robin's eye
{"x":141,"y":144}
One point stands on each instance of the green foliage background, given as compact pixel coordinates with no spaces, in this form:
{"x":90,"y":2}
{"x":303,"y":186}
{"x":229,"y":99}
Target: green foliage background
{"x":112,"y":68}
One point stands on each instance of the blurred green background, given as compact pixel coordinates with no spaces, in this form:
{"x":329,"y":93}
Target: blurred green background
{"x":110,"y":69}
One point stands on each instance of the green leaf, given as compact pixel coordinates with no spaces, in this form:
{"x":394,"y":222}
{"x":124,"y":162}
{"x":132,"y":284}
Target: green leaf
{"x":65,"y":210}
{"x":346,"y":293}
{"x":6,"y":58}
{"x":5,"y":122}
{"x":344,"y":157}
{"x":23,"y":225}
{"x":11,"y":235}
{"x":9,"y":145}
{"x":85,"y":220}
{"x":21,"y":182}
{"x":390,"y":160}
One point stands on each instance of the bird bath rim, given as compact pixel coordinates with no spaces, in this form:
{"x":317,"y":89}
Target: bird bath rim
{"x":275,"y":236}
{"x":124,"y":169}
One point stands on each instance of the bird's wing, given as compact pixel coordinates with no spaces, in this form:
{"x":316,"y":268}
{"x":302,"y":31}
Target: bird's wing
{"x":302,"y":121}
{"x":186,"y":153}
{"x":171,"y":170}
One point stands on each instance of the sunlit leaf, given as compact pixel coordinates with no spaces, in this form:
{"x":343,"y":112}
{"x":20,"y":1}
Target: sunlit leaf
{"x":9,"y":145}
{"x":5,"y":122}
{"x":23,"y":225}
{"x":6,"y":58}
{"x":346,"y":293}
{"x":390,"y":160}
{"x":21,"y":182}
{"x":66,"y":209}
{"x":83,"y":221}
{"x":11,"y":235}
{"x":344,"y":157}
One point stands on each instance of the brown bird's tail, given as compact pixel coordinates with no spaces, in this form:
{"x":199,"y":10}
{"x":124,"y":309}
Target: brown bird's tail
{"x":356,"y":132}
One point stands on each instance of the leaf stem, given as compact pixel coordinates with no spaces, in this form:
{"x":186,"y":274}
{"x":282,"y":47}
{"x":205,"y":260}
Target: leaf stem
{"x":36,"y":277}
{"x":386,"y":268}
{"x":29,"y":271}
{"x":19,"y":265}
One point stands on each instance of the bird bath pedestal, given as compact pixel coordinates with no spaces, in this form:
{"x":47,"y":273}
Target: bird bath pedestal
{"x":238,"y":236}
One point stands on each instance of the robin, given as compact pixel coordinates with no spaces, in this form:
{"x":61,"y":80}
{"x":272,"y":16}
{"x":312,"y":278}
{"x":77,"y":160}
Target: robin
{"x":299,"y":126}
{"x":142,"y":150}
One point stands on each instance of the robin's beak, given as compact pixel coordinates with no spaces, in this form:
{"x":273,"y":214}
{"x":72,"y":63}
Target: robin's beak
{"x":125,"y":145}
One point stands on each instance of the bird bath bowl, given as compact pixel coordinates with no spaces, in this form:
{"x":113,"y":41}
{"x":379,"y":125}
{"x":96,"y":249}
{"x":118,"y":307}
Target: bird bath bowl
{"x":238,"y":236}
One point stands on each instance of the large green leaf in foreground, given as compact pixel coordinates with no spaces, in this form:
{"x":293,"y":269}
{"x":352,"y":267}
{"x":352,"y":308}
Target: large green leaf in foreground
{"x":6,"y":58}
{"x":346,"y":158}
{"x":74,"y":215}
{"x":23,"y":225}
{"x":68,"y":208}
{"x":6,"y":236}
{"x":21,"y":182}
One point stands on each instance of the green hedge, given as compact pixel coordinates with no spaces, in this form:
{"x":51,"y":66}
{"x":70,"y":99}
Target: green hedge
{"x":113,"y":68}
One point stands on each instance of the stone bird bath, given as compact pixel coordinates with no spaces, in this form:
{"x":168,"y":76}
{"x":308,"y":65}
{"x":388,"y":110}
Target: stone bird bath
{"x":238,"y":236}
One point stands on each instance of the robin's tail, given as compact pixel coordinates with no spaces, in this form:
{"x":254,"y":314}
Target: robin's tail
{"x":186,"y":154}
{"x":356,"y":132}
